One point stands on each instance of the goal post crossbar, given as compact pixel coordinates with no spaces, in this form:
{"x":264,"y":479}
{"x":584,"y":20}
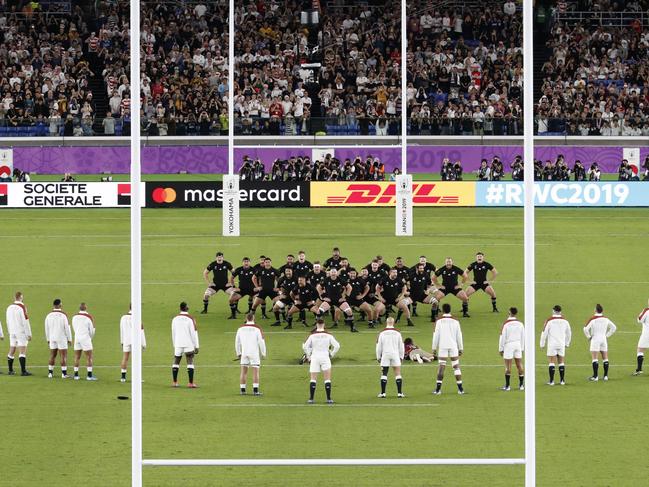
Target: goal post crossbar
{"x":328,"y":462}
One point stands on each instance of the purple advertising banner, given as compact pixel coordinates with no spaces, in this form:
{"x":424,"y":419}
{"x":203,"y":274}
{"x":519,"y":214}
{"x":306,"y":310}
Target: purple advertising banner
{"x":203,"y":159}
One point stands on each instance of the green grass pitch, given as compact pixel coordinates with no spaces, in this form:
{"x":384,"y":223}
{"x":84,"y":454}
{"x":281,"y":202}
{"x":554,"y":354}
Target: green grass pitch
{"x":58,"y":432}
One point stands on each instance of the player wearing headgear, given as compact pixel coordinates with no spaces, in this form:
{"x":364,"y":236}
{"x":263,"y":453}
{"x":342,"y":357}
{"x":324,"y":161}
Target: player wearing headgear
{"x":598,"y":330}
{"x":392,"y":291}
{"x":450,"y":274}
{"x":83,"y":325}
{"x":20,"y":333}
{"x":357,"y":289}
{"x":643,"y":342}
{"x":245,"y":287}
{"x":556,"y":335}
{"x":420,"y":287}
{"x":333,"y":294}
{"x":184,"y":336}
{"x":304,"y":297}
{"x":480,"y":268}
{"x":250,"y":347}
{"x":428,"y":270}
{"x":58,"y":337}
{"x":389,"y":353}
{"x":511,"y":346}
{"x":221,"y":280}
{"x":448,"y":343}
{"x":284,"y":301}
{"x":265,"y":281}
{"x":125,"y":338}
{"x":319,"y":349}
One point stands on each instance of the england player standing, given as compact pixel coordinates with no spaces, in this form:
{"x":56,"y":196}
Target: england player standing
{"x":643,"y":342}
{"x":389,"y":353}
{"x":319,"y":349}
{"x":58,"y":337}
{"x":448,"y":344}
{"x":480,"y":268}
{"x":125,"y":327}
{"x":598,"y":330}
{"x":511,"y":346}
{"x":556,"y":335}
{"x":250,"y":347}
{"x":450,"y":274}
{"x":83,"y":325}
{"x":245,"y":287}
{"x":184,"y":336}
{"x":221,"y":280}
{"x":265,"y":281}
{"x":20,"y":333}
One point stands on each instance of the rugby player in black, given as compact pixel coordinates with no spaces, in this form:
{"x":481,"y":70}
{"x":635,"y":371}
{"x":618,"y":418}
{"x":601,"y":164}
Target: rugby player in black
{"x":419,"y":286}
{"x":450,"y":274}
{"x":304,"y":297}
{"x":302,"y":267}
{"x":392,"y":291}
{"x":257,"y":267}
{"x":290,"y":260}
{"x":265,"y":281}
{"x":429,"y":269}
{"x":480,"y":282}
{"x":333,"y":262}
{"x":245,"y":288}
{"x":317,"y":275}
{"x":333,"y":293}
{"x":221,"y":281}
{"x":381,"y":266}
{"x":358,"y":289}
{"x":403,"y":272}
{"x":374,"y":277}
{"x":286,"y":283}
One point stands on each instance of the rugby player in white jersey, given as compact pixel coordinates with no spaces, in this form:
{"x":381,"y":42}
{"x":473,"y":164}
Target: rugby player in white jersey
{"x":389,"y":353}
{"x":598,"y":330}
{"x":511,"y":346}
{"x":250,"y":347}
{"x":125,"y":338}
{"x":643,"y":342}
{"x":556,"y":336}
{"x":58,"y":336}
{"x":20,"y":333}
{"x":319,"y":349}
{"x":448,"y":344}
{"x":184,"y":336}
{"x":83,"y":325}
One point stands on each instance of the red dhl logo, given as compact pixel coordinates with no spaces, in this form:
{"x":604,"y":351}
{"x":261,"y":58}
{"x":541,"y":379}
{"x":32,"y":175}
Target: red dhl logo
{"x":368,"y":193}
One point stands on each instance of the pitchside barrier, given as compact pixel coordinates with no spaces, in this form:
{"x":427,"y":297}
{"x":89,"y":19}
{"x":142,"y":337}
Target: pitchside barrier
{"x":202,"y":194}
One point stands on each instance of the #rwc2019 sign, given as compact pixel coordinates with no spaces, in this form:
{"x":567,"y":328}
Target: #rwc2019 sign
{"x":65,"y":195}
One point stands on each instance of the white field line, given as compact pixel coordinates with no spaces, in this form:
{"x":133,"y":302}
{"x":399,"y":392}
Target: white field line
{"x":337,"y":366}
{"x":292,"y":236}
{"x":336,"y":405}
{"x":188,"y":283}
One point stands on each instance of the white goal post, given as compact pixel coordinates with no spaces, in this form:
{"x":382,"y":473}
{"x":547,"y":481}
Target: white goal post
{"x":137,"y":461}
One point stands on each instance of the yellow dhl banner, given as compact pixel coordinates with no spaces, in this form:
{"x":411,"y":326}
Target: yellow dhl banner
{"x":382,"y":193}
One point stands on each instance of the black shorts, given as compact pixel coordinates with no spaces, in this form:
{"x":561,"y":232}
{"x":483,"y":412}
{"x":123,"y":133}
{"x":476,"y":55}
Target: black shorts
{"x":480,"y":286}
{"x":246,"y":292}
{"x":303,"y":306}
{"x":452,"y":291}
{"x":263,"y":294}
{"x":220,"y":287}
{"x":355,"y":302}
{"x":417,"y":298}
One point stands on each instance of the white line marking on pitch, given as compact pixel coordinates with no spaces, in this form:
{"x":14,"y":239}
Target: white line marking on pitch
{"x":335,"y":405}
{"x":188,"y":283}
{"x":343,"y":366}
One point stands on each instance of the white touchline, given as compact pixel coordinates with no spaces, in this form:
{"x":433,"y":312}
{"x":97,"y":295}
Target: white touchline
{"x":336,"y":405}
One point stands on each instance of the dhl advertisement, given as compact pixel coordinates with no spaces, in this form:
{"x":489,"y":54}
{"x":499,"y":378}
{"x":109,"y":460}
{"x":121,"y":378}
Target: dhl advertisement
{"x":383,"y":193}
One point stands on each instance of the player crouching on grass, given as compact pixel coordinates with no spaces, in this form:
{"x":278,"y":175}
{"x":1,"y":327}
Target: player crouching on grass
{"x":392,"y":291}
{"x":250,"y":346}
{"x":184,"y":336}
{"x":415,"y":353}
{"x":83,"y":325}
{"x":556,"y":335}
{"x":125,"y":327}
{"x":333,"y":292}
{"x":447,"y":343}
{"x":304,"y":298}
{"x":598,"y":329}
{"x":319,"y":349}
{"x":511,"y":346}
{"x":389,"y":353}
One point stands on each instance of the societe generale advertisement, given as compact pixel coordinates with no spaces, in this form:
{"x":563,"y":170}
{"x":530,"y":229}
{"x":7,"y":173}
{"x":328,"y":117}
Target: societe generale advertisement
{"x":383,"y":193}
{"x":66,"y":195}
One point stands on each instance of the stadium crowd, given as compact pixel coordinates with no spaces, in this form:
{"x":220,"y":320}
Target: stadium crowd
{"x":596,"y":81}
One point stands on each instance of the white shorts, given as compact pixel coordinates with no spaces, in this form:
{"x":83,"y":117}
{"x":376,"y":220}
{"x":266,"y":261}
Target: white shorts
{"x":126,"y":348}
{"x":407,"y":301}
{"x":319,"y":363}
{"x":644,"y":341}
{"x":58,"y":345}
{"x":18,"y":341}
{"x":250,"y":360}
{"x":180,"y":351}
{"x":598,"y":345}
{"x":512,"y":350}
{"x":448,"y":352}
{"x":85,"y":345}
{"x":390,"y":360}
{"x":553,"y":351}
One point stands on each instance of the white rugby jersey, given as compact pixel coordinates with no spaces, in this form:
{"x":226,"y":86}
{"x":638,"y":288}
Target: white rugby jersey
{"x":643,"y":319}
{"x":513,"y":331}
{"x":183,"y":331}
{"x":448,"y":333}
{"x":17,"y":320}
{"x":599,"y":326}
{"x":125,"y":331}
{"x":250,"y":341}
{"x":321,"y":343}
{"x":57,"y":327}
{"x":556,"y":332}
{"x":389,"y":342}
{"x":83,"y":326}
